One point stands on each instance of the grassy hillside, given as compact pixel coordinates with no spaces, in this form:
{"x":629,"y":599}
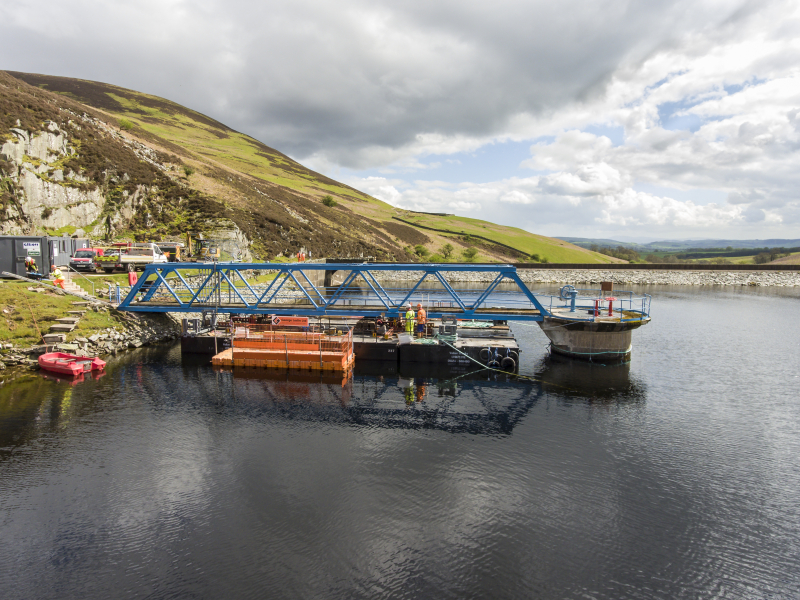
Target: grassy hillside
{"x":553,"y":249}
{"x":277,"y":202}
{"x":792,"y":259}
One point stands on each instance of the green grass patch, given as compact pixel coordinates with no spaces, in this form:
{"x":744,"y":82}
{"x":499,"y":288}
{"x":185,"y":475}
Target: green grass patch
{"x":555,"y":251}
{"x":23,"y":311}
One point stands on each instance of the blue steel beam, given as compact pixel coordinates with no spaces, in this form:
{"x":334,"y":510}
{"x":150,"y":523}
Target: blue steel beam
{"x":153,"y":292}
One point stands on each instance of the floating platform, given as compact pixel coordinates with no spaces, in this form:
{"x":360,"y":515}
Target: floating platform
{"x":257,"y":346}
{"x":266,"y":359}
{"x":463,"y":352}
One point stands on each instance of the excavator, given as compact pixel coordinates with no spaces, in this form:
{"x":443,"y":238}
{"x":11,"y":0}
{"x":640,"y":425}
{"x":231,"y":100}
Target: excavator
{"x":201,"y":249}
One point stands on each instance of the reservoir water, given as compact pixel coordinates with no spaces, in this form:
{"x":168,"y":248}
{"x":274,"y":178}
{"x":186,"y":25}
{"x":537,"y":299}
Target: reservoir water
{"x":676,"y":475}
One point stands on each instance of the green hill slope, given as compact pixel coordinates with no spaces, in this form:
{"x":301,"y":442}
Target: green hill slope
{"x":276,"y":201}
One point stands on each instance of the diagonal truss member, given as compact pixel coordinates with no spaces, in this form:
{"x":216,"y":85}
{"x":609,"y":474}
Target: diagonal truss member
{"x":289,"y":289}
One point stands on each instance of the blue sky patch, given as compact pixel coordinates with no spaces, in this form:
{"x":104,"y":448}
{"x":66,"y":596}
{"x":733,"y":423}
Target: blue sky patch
{"x":616,"y":133}
{"x":670,"y":119}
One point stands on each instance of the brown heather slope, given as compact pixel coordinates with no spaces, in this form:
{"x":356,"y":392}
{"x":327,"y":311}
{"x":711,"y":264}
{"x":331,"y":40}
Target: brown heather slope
{"x":273,"y":199}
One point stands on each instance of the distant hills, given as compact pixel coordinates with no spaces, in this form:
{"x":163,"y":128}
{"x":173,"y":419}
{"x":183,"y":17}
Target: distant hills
{"x":681,"y":245}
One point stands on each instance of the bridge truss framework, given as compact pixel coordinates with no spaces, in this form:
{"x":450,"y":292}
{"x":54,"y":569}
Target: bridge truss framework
{"x":234,"y":288}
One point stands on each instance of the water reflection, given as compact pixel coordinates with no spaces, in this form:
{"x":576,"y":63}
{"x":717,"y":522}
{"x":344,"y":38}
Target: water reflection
{"x":71,"y":380}
{"x":481,"y":402}
{"x":36,"y":404}
{"x":592,"y":381}
{"x":672,"y":477}
{"x":379,"y":395}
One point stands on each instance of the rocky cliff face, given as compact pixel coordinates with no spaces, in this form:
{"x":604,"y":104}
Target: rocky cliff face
{"x":65,"y":171}
{"x":44,"y":197}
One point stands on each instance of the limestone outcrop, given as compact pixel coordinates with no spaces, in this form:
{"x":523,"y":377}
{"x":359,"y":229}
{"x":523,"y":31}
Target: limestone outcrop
{"x":79,"y":176}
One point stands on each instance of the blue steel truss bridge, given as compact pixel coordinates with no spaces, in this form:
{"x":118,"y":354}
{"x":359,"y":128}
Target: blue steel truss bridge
{"x":295,"y":289}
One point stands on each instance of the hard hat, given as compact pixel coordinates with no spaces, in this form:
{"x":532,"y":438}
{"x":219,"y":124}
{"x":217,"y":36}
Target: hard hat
{"x":419,"y":305}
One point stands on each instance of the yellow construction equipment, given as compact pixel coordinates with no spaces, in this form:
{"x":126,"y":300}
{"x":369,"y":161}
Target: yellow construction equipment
{"x":202,"y":249}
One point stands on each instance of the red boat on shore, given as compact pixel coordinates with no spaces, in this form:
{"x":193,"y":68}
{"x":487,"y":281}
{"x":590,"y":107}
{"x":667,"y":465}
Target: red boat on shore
{"x":69,"y":364}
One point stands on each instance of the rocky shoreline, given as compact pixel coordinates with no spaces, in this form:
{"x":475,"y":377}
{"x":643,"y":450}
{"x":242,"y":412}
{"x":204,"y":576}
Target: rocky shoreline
{"x":629,"y":277}
{"x":137,"y":331}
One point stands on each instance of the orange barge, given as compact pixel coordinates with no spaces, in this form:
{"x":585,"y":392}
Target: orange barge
{"x":257,"y":346}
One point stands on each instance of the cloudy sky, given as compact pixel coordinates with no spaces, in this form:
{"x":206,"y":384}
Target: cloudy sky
{"x":611,"y":118}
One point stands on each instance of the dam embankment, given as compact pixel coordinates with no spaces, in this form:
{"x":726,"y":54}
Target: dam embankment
{"x":771,"y":278}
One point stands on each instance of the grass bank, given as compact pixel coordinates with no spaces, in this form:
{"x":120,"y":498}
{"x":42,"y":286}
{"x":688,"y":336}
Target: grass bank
{"x":26,"y":313}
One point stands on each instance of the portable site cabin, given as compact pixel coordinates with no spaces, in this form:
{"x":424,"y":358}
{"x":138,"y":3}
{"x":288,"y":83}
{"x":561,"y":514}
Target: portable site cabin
{"x":62,"y":248}
{"x":15,"y":248}
{"x":45,"y":250}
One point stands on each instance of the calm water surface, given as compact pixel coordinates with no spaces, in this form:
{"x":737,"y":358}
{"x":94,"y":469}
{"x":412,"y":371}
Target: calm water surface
{"x":675,"y":476}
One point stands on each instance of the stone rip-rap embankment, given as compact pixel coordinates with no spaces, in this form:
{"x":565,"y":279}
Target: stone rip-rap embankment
{"x":134,"y":331}
{"x":629,"y":277}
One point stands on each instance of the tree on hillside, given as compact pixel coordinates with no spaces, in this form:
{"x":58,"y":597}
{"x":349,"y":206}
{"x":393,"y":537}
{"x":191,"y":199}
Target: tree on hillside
{"x":762,"y":258}
{"x":420,"y":251}
{"x":469,"y":254}
{"x":621,"y":252}
{"x":446,"y":250}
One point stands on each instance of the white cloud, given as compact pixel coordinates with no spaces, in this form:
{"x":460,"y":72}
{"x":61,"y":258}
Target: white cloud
{"x":718,"y":111}
{"x":705,"y":95}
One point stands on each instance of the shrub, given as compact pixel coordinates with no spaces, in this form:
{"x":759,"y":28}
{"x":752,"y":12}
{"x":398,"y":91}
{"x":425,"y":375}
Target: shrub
{"x":446,"y":250}
{"x":329,"y":201}
{"x":762,"y":258}
{"x":125,"y":125}
{"x":436,"y":258}
{"x":535,"y":258}
{"x":188,"y":170}
{"x":469,"y":254}
{"x":544,"y":260}
{"x":620,"y":252}
{"x":420,"y":251}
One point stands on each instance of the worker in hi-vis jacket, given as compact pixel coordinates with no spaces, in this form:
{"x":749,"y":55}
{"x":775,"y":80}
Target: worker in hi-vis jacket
{"x":410,"y":319}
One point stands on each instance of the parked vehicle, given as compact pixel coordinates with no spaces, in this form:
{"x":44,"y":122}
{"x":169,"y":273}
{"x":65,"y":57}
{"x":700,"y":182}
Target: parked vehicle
{"x":84,"y":259}
{"x":174,"y":251}
{"x":109,"y":261}
{"x":130,"y":258}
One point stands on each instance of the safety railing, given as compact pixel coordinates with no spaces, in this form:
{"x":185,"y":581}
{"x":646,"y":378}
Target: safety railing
{"x":117,"y":292}
{"x":628,"y":305}
{"x":262,"y":336}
